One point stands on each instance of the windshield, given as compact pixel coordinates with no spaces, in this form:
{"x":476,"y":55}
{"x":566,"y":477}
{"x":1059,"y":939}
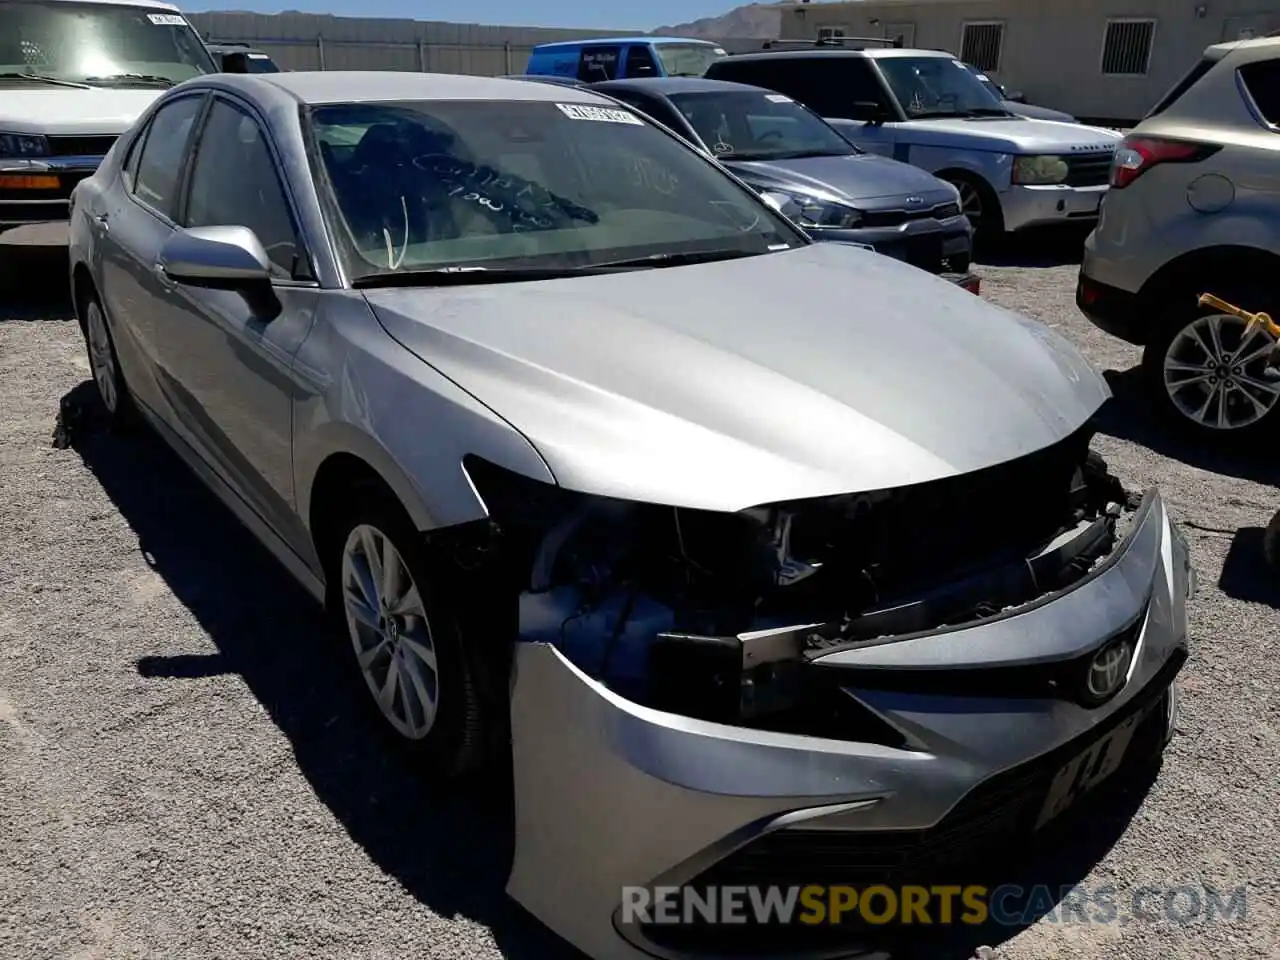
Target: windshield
{"x":992,"y":87}
{"x":938,"y":87}
{"x":98,"y":43}
{"x":752,"y":125}
{"x":525,"y":184}
{"x":687,"y":59}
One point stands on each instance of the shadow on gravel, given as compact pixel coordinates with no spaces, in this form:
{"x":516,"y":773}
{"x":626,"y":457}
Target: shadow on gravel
{"x":1246,"y":575}
{"x":1037,"y":247}
{"x":34,"y":284}
{"x":449,"y":852}
{"x":1130,"y":415}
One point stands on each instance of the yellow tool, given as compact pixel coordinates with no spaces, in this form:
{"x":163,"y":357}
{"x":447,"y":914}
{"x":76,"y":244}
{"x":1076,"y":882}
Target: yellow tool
{"x":1252,"y":319}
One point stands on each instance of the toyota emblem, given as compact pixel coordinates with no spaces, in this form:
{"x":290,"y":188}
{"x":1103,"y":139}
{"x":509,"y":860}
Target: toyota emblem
{"x":915,"y":201}
{"x":1107,"y":671}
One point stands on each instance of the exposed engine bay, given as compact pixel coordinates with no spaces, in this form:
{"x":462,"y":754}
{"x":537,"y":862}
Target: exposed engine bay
{"x":717,"y":616}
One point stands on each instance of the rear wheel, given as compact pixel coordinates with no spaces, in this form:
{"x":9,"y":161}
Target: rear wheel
{"x":1209,"y":374}
{"x":104,"y":364}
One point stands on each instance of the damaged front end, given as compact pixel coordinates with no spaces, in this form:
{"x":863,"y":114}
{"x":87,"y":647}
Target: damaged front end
{"x":719,"y":617}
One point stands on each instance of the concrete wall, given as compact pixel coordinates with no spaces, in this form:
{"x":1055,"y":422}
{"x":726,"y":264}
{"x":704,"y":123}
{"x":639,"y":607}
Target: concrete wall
{"x":303,"y":41}
{"x":1052,"y":51}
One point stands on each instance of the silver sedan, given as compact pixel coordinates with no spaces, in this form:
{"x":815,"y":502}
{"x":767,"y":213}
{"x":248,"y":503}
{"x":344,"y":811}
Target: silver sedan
{"x":755,"y":560}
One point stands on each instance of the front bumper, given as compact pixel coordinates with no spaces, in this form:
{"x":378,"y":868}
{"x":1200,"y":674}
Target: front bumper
{"x":934,"y":245}
{"x":610,"y":794}
{"x":39,"y":216}
{"x":1033,"y":206}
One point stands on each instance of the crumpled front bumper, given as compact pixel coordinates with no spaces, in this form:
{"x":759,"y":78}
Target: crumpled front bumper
{"x":609,"y":793}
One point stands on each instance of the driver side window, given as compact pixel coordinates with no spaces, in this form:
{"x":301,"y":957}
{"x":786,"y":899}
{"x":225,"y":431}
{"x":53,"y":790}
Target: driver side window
{"x":234,"y":183}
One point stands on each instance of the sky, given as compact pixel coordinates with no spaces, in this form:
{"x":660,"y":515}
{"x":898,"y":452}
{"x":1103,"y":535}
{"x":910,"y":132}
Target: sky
{"x":546,"y":13}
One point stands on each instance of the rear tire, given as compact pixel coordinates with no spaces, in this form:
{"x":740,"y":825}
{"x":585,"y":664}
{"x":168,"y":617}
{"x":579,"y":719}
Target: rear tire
{"x":431,"y":690}
{"x":104,"y":365}
{"x":1205,"y":378}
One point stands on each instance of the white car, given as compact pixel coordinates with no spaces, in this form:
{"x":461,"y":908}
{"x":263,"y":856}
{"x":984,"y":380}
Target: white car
{"x":74,"y":74}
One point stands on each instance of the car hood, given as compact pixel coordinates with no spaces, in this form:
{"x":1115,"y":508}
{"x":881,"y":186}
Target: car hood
{"x":1004,"y":135}
{"x":857,"y":177}
{"x":1036,"y":112}
{"x":820,"y":370}
{"x":66,"y":111}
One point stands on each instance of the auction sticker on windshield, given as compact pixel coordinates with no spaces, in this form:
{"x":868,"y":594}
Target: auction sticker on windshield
{"x":166,"y":20}
{"x":582,"y":111}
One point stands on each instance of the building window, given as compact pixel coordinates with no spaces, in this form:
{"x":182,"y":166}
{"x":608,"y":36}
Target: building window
{"x":980,"y":45}
{"x":831,"y":33}
{"x":1126,"y":47}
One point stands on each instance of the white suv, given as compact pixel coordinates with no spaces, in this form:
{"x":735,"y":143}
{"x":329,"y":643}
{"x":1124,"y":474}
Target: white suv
{"x":74,"y":74}
{"x":1194,"y":207}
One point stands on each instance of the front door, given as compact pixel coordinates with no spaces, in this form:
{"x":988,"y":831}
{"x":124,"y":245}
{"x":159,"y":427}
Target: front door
{"x":229,"y":363}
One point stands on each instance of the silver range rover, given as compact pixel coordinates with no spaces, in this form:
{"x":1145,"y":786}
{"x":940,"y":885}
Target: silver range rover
{"x":927,"y":108}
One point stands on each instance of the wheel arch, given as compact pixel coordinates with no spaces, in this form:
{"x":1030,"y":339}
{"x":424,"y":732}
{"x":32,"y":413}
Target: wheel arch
{"x":1227,"y":264}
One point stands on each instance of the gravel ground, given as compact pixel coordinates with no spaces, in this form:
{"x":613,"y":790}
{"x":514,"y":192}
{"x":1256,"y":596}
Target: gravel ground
{"x":181,"y":778}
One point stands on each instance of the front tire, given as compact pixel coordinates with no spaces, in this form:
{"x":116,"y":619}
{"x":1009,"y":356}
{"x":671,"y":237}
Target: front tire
{"x":1207,"y":376}
{"x":979,"y":203}
{"x":428,"y":687}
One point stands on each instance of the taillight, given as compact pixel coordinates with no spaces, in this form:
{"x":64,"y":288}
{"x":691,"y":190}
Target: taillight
{"x":1136,"y":155}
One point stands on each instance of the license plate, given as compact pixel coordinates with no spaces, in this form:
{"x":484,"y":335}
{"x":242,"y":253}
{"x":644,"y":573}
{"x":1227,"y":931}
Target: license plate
{"x":1088,"y":769}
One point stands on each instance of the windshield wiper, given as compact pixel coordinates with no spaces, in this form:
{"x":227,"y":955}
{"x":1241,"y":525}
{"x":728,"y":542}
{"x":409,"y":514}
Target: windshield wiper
{"x":132,"y":78}
{"x":461,"y":276}
{"x":669,"y":260}
{"x":43,"y":79}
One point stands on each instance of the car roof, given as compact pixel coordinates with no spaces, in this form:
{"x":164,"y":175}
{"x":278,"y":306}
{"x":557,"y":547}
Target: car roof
{"x":767,"y":55}
{"x":664,"y":86}
{"x":579,"y":43}
{"x":355,"y":86}
{"x":149,"y":4}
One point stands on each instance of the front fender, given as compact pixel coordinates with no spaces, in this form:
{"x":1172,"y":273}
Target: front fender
{"x":363,"y":394}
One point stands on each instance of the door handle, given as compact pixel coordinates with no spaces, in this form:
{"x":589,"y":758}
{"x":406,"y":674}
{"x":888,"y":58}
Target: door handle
{"x":102,"y":220}
{"x":165,"y":280}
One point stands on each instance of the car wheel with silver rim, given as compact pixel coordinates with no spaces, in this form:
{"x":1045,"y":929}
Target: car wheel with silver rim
{"x":1210,"y":374}
{"x":426,"y":684}
{"x":978,"y":202}
{"x":104,"y":364}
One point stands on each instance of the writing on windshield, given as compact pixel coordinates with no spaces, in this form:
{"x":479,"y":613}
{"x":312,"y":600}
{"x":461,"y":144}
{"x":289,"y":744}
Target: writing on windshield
{"x":937,"y":87}
{"x":750,"y":125}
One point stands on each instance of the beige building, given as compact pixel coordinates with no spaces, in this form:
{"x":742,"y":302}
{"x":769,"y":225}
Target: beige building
{"x":1097,"y":59}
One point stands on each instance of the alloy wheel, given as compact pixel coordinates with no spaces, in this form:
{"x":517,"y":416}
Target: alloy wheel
{"x":1215,"y":373}
{"x":390,"y":632}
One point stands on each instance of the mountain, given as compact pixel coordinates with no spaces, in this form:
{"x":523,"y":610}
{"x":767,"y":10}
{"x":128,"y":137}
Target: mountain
{"x":757,"y":21}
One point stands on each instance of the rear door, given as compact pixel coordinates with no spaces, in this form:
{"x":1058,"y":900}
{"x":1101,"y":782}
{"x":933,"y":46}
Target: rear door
{"x":137,"y":219}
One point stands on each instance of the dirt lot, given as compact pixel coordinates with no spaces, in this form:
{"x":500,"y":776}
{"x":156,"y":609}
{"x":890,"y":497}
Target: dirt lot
{"x":182,"y":775}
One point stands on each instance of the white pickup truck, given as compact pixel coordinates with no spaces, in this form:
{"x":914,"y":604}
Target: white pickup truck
{"x":74,"y":74}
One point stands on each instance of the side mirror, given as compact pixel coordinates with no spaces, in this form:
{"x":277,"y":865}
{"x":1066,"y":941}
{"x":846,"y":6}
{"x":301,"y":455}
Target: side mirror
{"x":1014,"y":96}
{"x":869,"y":112}
{"x":221,"y":258}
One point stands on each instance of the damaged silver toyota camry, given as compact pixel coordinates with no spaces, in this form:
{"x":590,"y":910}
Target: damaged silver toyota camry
{"x":759,"y":561}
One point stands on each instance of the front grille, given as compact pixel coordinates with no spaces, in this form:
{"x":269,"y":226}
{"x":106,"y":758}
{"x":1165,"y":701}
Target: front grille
{"x":66,"y":183}
{"x":91,"y":146}
{"x":1089,"y":169}
{"x":893,"y":218}
{"x":996,"y":815}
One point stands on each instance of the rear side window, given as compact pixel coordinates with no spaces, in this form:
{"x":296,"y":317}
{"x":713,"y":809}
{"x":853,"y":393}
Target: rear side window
{"x":829,"y":86}
{"x":1262,"y":80}
{"x":1179,"y":89}
{"x":598,"y":63}
{"x":640,"y":62}
{"x":155,"y":179}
